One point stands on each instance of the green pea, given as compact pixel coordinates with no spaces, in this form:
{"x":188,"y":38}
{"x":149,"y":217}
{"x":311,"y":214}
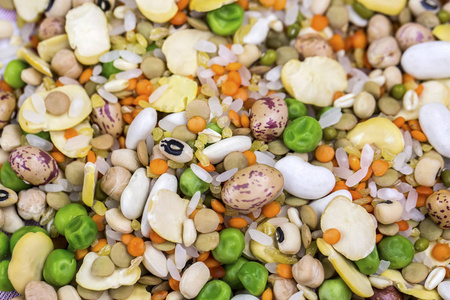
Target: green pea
{"x":421,"y":244}
{"x":214,"y":127}
{"x":253,"y":277}
{"x":81,"y":232}
{"x":67,"y":214}
{"x":4,"y":245}
{"x":108,"y":69}
{"x":362,"y":11}
{"x":398,"y":91}
{"x":190,"y":183}
{"x":5,"y":284}
{"x":369,"y":264}
{"x":13,"y":72}
{"x":231,"y":273}
{"x":396,"y":249}
{"x":333,"y":289}
{"x":296,"y":109}
{"x":60,"y":267}
{"x":215,"y":290}
{"x":303,"y":134}
{"x":151,"y":47}
{"x":231,"y":245}
{"x":225,"y":20}
{"x":21,"y":232}
{"x":443,"y":16}
{"x":293,"y":30}
{"x":329,"y":133}
{"x":445,"y":177}
{"x":10,"y":179}
{"x":269,"y":57}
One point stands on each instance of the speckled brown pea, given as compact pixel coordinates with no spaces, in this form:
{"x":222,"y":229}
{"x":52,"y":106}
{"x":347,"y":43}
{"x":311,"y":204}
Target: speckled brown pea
{"x":51,"y":27}
{"x":268,"y":118}
{"x":252,"y":187}
{"x":109,"y":119}
{"x":7,"y":107}
{"x":33,"y":165}
{"x":438,"y":205}
{"x":411,"y":34}
{"x":312,"y":44}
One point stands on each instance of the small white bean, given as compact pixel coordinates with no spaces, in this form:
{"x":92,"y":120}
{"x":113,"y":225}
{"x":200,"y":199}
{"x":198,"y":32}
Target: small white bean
{"x":189,"y":232}
{"x":155,"y":261}
{"x":444,"y":290}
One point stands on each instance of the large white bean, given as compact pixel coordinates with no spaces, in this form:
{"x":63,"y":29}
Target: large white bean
{"x":155,"y":261}
{"x":427,"y":60}
{"x":193,"y":279}
{"x":435,"y":122}
{"x":165,"y":181}
{"x":134,"y":195}
{"x":319,"y":205}
{"x":141,"y":127}
{"x":217,"y":152}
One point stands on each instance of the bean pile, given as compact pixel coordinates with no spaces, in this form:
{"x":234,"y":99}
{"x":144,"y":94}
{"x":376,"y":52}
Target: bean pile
{"x":225,"y":149}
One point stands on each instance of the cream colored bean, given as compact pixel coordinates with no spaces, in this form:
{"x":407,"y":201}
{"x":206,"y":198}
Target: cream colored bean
{"x":6,"y":29}
{"x":189,"y":232}
{"x":68,"y":292}
{"x":388,"y":212}
{"x":126,"y":158}
{"x":291,"y":243}
{"x":427,"y":171}
{"x":12,"y":220}
{"x":116,"y":85}
{"x":2,"y":219}
{"x":175,"y":295}
{"x":4,"y":156}
{"x":117,"y":221}
{"x":364,"y":105}
{"x":134,"y":196}
{"x":294,"y":216}
{"x":10,"y":137}
{"x":193,"y":279}
{"x":124,"y":65}
{"x":434,"y":278}
{"x":31,"y":76}
{"x":39,"y":290}
{"x":345,"y":101}
{"x":380,"y":282}
{"x":410,"y":100}
{"x":393,"y":76}
{"x":379,"y":26}
{"x":155,"y":261}
{"x":250,"y":55}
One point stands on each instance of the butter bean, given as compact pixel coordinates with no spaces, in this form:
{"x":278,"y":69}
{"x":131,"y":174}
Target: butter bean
{"x":193,"y":279}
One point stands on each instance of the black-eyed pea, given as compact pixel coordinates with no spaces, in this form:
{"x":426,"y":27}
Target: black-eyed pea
{"x":7,"y":197}
{"x":31,"y":76}
{"x":288,"y":238}
{"x":40,"y":290}
{"x":88,"y":294}
{"x":117,"y":221}
{"x":426,"y":171}
{"x":57,"y":103}
{"x":122,"y":292}
{"x":235,"y":159}
{"x":308,"y":271}
{"x":106,"y":5}
{"x":189,"y":232}
{"x":31,"y":204}
{"x":120,"y":256}
{"x":64,"y":63}
{"x":388,"y":212}
{"x":102,"y":266}
{"x":207,"y":241}
{"x":415,"y":272}
{"x":68,"y":292}
{"x":176,"y":150}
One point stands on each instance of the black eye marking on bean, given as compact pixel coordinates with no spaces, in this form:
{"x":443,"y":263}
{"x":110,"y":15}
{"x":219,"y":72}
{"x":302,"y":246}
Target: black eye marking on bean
{"x":4,"y":195}
{"x":173,"y":147}
{"x":105,"y":5}
{"x":50,"y":5}
{"x":280,"y":235}
{"x":429,"y":4}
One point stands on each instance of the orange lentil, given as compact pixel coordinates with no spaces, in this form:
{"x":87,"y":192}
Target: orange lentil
{"x":59,"y":83}
{"x":144,"y":87}
{"x":368,"y":175}
{"x":366,"y":61}
{"x":279,"y":4}
{"x":369,"y":208}
{"x":284,"y":270}
{"x":324,"y":153}
{"x":217,"y":272}
{"x":380,"y":167}
{"x":235,"y":77}
{"x":348,"y":43}
{"x":399,"y":121}
{"x":208,"y":168}
{"x":356,"y":195}
{"x":91,"y":157}
{"x":424,"y":190}
{"x":182,"y":4}
{"x":241,"y":94}
{"x":233,"y":66}
{"x":238,"y":222}
{"x":193,"y":213}
{"x":58,"y":156}
{"x":230,"y":88}
{"x":234,"y":118}
{"x":251,"y":157}
{"x":211,"y":262}
{"x":267,"y":295}
{"x":136,"y":247}
{"x":406,"y":127}
{"x":5,"y":87}
{"x":156,"y":238}
{"x":126,"y":238}
{"x":414,"y":125}
{"x":267,"y":3}
{"x":378,"y":237}
{"x":354,"y":162}
{"x":139,"y":99}
{"x":359,"y":40}
{"x":441,"y":252}
{"x":132,"y":83}
{"x":179,"y":19}
{"x":243,"y":4}
{"x":170,"y":251}
{"x":340,"y":185}
{"x":361,"y":185}
{"x":203,"y":256}
{"x":218,"y":69}
{"x":34,"y":40}
{"x":80,"y":253}
{"x":160,"y":295}
{"x":217,"y":206}
{"x":419,"y":135}
{"x":220,"y":227}
{"x":419,"y":89}
{"x":135,"y":112}
{"x":319,"y":22}
{"x":221,"y":219}
{"x":158,"y":166}
{"x":271,"y":210}
{"x":121,"y":141}
{"x":174,"y":284}
{"x":331,"y":236}
{"x":402,"y":225}
{"x":128,"y":118}
{"x":337,"y":95}
{"x":126,"y":101}
{"x":421,"y":200}
{"x":70,"y":133}
{"x":196,"y":124}
{"x":245,"y":121}
{"x":337,"y":42}
{"x":100,"y":221}
{"x":407,"y":77}
{"x":100,"y":244}
{"x":85,"y":75}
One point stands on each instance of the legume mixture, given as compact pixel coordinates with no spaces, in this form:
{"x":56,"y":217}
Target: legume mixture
{"x":223,"y":149}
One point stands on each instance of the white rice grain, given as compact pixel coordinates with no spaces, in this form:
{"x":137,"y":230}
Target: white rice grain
{"x":158,"y":93}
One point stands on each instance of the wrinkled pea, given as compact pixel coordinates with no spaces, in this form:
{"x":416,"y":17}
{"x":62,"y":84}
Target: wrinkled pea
{"x":253,"y":277}
{"x":303,"y":134}
{"x":81,"y":232}
{"x":60,"y":267}
{"x":296,"y":109}
{"x":10,"y":179}
{"x":5,"y":284}
{"x":216,"y":289}
{"x":231,"y":273}
{"x":231,"y":245}
{"x":225,"y":20}
{"x":332,"y":289}
{"x":396,"y":249}
{"x":67,"y":214}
